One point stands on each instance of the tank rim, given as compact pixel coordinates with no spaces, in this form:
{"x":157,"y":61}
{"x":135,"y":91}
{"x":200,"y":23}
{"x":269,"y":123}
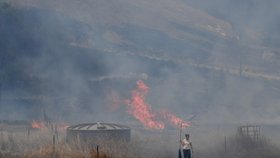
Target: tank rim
{"x":113,"y":126}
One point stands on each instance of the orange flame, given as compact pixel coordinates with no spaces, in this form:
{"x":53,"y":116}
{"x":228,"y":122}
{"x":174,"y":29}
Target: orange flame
{"x":142,"y":87}
{"x":44,"y":125}
{"x":174,"y":120}
{"x":38,"y":124}
{"x":140,"y":110}
{"x":143,"y":112}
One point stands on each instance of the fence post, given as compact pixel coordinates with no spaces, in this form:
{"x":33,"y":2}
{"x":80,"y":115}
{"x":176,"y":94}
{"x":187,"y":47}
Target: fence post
{"x":225,"y":145}
{"x":28,"y":132}
{"x":97,"y":151}
{"x":54,"y":146}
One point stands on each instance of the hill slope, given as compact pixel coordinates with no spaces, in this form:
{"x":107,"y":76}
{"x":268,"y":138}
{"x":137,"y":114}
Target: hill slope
{"x":68,"y":57}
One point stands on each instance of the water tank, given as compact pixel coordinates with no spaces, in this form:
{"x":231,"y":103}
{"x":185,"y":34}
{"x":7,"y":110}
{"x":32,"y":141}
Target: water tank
{"x":95,"y":132}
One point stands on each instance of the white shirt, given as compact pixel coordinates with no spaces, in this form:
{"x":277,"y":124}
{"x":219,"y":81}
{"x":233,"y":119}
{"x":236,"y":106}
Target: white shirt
{"x":186,"y":144}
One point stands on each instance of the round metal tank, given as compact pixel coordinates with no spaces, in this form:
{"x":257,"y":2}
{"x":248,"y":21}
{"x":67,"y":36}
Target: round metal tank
{"x":93,"y":132}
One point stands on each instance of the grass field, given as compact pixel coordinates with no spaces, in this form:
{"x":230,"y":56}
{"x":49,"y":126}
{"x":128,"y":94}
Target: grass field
{"x":39,"y":144}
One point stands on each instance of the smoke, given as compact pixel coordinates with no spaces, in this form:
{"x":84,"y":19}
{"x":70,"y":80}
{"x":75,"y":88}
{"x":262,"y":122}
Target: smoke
{"x":216,"y":59}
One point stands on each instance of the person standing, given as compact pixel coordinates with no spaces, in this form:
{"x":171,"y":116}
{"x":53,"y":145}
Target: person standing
{"x":187,"y":146}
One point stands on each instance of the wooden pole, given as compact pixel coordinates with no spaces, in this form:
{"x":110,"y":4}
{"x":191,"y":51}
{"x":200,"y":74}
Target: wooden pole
{"x":53,"y":146}
{"x":97,"y":151}
{"x":225,"y":144}
{"x":2,"y":135}
{"x":180,"y":135}
{"x":56,"y":131}
{"x":28,"y":132}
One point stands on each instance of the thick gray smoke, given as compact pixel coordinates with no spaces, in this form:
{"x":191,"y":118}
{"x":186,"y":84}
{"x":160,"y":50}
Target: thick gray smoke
{"x":215,"y":59}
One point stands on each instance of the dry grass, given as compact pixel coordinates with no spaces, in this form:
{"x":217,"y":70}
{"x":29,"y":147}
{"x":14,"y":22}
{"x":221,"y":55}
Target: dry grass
{"x":241,"y":147}
{"x":39,"y":145}
{"x":20,"y":142}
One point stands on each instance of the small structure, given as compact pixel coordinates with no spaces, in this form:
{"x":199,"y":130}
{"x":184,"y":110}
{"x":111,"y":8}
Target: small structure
{"x":96,"y":132}
{"x":250,"y":131}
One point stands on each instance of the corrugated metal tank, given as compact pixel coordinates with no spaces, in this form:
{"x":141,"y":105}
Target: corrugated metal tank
{"x":93,"y":132}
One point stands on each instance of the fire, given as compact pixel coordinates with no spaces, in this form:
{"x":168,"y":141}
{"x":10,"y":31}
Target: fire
{"x":174,"y":120}
{"x":38,"y":124}
{"x":140,"y":109}
{"x":144,"y":113}
{"x":142,"y":87}
{"x":45,"y":125}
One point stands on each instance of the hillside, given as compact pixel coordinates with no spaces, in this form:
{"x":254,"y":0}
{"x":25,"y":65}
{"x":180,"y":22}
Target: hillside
{"x":130,"y":24}
{"x":67,"y":57}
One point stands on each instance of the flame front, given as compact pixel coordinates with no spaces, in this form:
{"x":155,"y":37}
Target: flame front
{"x":140,"y":109}
{"x":144,"y":113}
{"x":45,"y":125}
{"x":38,"y":124}
{"x":174,"y":120}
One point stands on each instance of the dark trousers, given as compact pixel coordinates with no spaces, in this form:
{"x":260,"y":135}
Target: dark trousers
{"x":187,"y":153}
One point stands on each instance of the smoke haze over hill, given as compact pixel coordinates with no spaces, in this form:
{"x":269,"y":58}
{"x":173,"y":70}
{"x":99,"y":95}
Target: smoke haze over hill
{"x":67,"y":58}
